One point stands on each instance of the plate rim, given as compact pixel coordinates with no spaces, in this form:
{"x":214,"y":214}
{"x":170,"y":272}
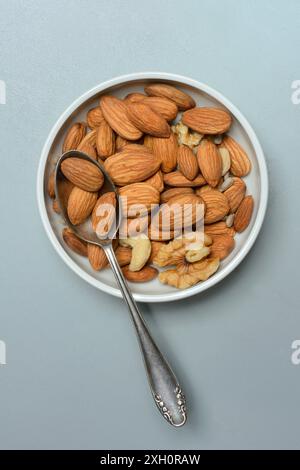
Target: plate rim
{"x":219,"y":275}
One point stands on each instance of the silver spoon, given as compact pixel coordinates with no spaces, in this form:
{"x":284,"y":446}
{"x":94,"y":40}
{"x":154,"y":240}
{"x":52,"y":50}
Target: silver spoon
{"x":164,"y":385}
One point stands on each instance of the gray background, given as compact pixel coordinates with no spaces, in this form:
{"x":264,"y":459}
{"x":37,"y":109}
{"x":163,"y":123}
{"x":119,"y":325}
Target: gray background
{"x":73,"y":377}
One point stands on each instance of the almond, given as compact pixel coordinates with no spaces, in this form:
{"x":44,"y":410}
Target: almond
{"x":89,"y":138}
{"x":74,"y":136}
{"x":166,"y":151}
{"x":222,"y":246}
{"x":187,"y":162}
{"x":169,"y":193}
{"x":138,"y":196}
{"x":97,"y":257}
{"x":148,"y":121}
{"x":65,"y":189}
{"x":115,"y":113}
{"x":75,"y":243}
{"x":55,"y":206}
{"x":163,"y":106}
{"x":134,"y":97}
{"x":180,"y":211}
{"x":219,"y":228}
{"x":51,"y":185}
{"x":216,"y":206}
{"x":87,"y":148}
{"x":120,"y":143}
{"x":157,"y":181}
{"x":177,"y":179}
{"x":80,"y":205}
{"x":94,"y":117}
{"x":182,"y":100}
{"x":105,"y":140}
{"x":156,"y":234}
{"x":210,"y":162}
{"x":123,"y":255}
{"x":146,"y":274}
{"x":235,"y":194}
{"x":134,"y":227}
{"x":207,"y":120}
{"x":83,"y":174}
{"x":243,"y":214}
{"x":240,"y":163}
{"x":131,"y":165}
{"x":148,"y":142}
{"x":108,"y":201}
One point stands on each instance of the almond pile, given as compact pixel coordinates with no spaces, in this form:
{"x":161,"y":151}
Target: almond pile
{"x":160,"y":150}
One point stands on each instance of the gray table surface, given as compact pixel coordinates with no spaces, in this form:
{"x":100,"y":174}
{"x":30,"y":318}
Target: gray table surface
{"x":73,"y":377}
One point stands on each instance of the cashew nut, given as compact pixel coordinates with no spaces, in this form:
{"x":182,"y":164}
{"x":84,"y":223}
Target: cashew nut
{"x":141,"y":250}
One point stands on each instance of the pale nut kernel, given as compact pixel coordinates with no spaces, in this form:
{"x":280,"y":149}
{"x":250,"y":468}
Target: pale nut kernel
{"x":226,"y":160}
{"x":196,"y":255}
{"x":141,"y":251}
{"x":185,"y":136}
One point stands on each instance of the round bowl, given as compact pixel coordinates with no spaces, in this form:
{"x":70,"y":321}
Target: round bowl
{"x":257,"y":184}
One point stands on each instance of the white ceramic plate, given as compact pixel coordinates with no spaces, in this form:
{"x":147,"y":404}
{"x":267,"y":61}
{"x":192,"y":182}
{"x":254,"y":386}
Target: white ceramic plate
{"x":257,"y":184}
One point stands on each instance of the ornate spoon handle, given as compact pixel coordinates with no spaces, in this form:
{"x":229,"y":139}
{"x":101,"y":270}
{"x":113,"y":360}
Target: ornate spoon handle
{"x":164,"y":386}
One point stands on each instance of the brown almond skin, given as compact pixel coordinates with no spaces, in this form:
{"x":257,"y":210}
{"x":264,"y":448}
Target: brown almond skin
{"x":109,"y":199}
{"x":80,"y":205}
{"x":123,"y":255}
{"x":55,"y":206}
{"x":87,"y":148}
{"x":222,"y":246}
{"x":148,"y":142}
{"x":235,"y":193}
{"x":157,"y":181}
{"x":97,"y":257}
{"x":179,"y":210}
{"x":161,"y":105}
{"x":74,"y":136}
{"x":177,"y":179}
{"x":169,"y":193}
{"x":146,"y":274}
{"x":134,"y":97}
{"x":148,"y":121}
{"x":105,"y":140}
{"x":240,"y":163}
{"x":165,"y":149}
{"x":88,"y":139}
{"x":135,"y":163}
{"x":121,"y":143}
{"x":83,"y":174}
{"x":94,"y":117}
{"x":219,"y":228}
{"x":243,"y":214}
{"x":139,"y":194}
{"x":51,"y":185}
{"x":182,"y":100}
{"x":133,"y":227}
{"x":76,"y":244}
{"x":209,"y":161}
{"x":187,"y":162}
{"x":115,"y":113}
{"x":216,"y":205}
{"x":207,"y":120}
